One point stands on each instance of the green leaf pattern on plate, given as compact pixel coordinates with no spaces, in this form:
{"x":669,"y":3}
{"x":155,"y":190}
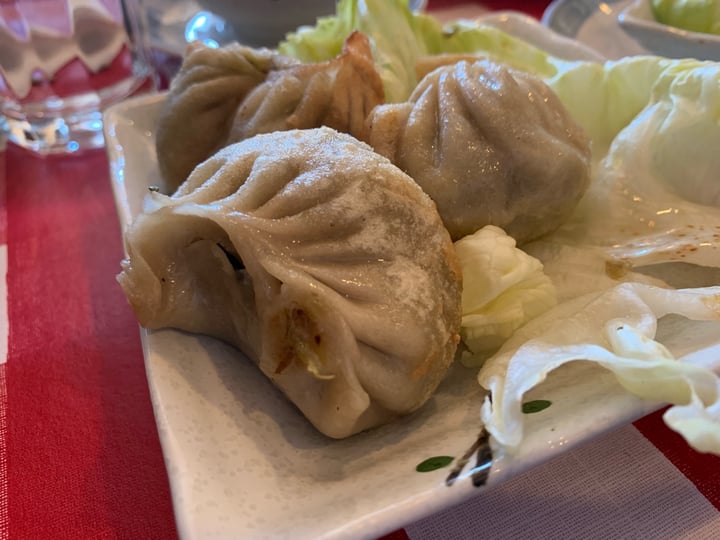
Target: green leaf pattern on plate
{"x":434,"y":463}
{"x":438,"y":462}
{"x":537,"y":405}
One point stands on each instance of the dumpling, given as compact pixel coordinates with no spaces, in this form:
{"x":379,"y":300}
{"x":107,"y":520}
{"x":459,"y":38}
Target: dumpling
{"x":490,"y":145}
{"x":197,"y":115}
{"x":339,"y":93}
{"x":316,"y":257}
{"x":222,"y":96}
{"x":426,"y":64}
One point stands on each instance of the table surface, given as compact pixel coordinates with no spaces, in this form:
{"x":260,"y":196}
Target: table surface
{"x":79,"y":449}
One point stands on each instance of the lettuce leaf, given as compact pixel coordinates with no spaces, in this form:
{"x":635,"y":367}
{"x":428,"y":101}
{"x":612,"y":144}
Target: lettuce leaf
{"x":654,"y":198}
{"x":395,"y":35}
{"x":655,"y":194}
{"x":615,"y":329}
{"x":503,"y":288}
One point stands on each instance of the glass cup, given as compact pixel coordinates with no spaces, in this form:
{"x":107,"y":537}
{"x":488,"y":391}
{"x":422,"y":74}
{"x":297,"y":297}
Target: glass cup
{"x":62,"y":62}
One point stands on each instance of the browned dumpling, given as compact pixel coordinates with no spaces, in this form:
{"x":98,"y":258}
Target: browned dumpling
{"x":316,"y":257}
{"x":339,"y":94}
{"x":222,"y":96}
{"x":490,"y":145}
{"x":196,"y":118}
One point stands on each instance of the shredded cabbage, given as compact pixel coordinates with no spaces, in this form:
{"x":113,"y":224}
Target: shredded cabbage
{"x":615,"y":329}
{"x":503,"y":287}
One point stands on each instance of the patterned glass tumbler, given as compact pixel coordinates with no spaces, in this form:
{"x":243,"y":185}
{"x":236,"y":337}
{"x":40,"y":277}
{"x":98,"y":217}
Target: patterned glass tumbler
{"x":62,"y":62}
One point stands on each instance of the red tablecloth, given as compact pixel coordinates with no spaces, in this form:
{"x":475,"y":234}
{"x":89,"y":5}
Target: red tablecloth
{"x":79,"y":450}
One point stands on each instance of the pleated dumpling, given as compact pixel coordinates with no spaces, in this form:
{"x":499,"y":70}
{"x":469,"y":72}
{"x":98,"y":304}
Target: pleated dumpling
{"x":196,"y":117}
{"x":490,"y":145}
{"x":339,"y":93}
{"x":223,"y":96}
{"x":319,"y":259}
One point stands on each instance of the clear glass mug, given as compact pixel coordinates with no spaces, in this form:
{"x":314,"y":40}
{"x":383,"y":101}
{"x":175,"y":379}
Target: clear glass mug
{"x":62,"y":62}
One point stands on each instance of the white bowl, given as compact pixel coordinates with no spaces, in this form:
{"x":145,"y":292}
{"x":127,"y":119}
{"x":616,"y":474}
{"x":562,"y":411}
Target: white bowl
{"x":264,"y":22}
{"x":637,"y":21}
{"x":529,"y":29}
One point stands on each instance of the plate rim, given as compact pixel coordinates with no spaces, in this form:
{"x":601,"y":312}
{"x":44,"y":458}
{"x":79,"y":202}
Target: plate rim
{"x":419,"y":504}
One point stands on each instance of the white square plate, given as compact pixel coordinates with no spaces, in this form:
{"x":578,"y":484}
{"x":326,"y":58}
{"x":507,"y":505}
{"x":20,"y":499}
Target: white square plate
{"x":244,"y":463}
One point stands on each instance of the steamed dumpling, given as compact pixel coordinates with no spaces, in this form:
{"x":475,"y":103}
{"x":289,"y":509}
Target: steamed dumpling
{"x":222,"y":96}
{"x":490,"y":145}
{"x":339,"y":93}
{"x":319,"y":259}
{"x":197,"y":115}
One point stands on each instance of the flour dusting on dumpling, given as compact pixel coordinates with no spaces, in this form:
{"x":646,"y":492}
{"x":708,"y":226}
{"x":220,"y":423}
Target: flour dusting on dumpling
{"x":491,"y":146}
{"x":319,"y":259}
{"x":222,"y":96}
